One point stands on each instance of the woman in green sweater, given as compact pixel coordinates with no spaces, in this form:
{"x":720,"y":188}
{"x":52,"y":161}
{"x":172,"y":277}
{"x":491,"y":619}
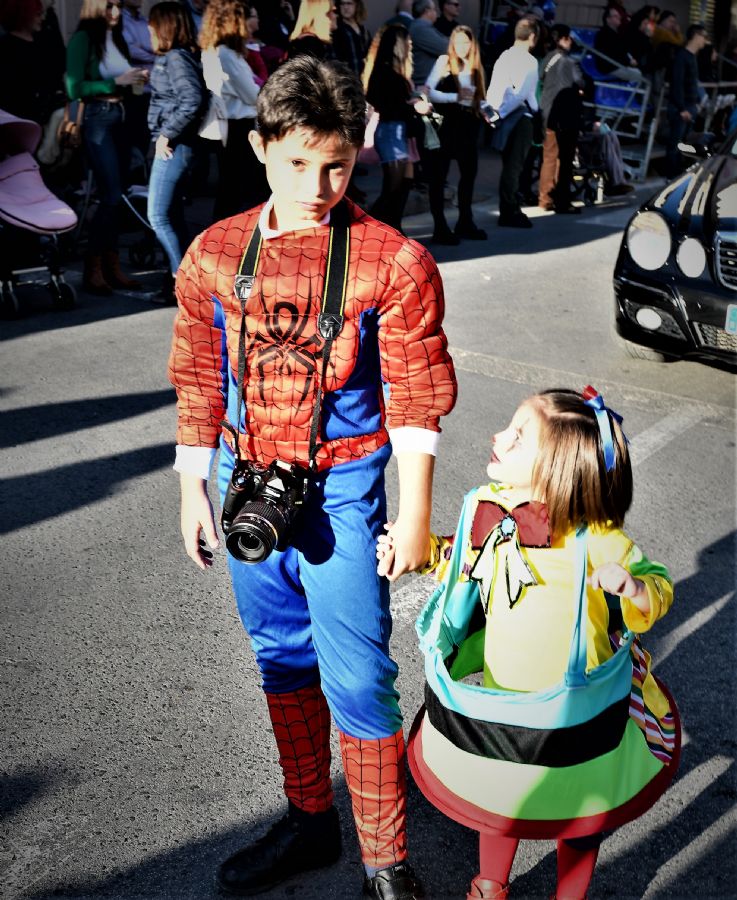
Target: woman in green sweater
{"x":98,"y":70}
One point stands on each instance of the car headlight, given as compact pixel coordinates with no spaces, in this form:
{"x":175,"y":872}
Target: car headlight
{"x":648,"y":240}
{"x":691,"y":257}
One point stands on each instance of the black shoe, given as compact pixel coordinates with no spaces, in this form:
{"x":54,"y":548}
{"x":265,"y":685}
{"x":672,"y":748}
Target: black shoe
{"x":618,"y":190}
{"x":296,"y":843}
{"x":397,"y":882}
{"x":568,"y":210}
{"x":447,"y":238}
{"x":471,"y":232}
{"x":516,"y":220}
{"x":166,"y":296}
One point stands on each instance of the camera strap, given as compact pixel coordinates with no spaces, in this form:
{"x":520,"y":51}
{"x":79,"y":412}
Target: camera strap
{"x":329,"y":322}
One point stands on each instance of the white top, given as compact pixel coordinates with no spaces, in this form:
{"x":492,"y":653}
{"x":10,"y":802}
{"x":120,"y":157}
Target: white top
{"x":198,"y":460}
{"x":113,"y":63}
{"x":513,"y":81}
{"x":228,"y":76}
{"x":439,"y":71}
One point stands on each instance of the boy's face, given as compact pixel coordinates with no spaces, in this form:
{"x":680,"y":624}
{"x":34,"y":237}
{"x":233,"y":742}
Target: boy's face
{"x":307,"y":173}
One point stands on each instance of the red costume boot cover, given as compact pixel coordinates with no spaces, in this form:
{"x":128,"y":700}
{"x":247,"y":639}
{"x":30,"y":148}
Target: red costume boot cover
{"x":376,"y":777}
{"x":301,"y":723}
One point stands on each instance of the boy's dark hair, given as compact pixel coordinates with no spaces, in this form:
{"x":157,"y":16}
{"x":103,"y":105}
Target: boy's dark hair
{"x":570,"y":472}
{"x":305,"y":92}
{"x":525,"y":28}
{"x":559,"y":31}
{"x":693,"y":30}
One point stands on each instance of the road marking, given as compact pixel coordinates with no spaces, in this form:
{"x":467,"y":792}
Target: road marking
{"x":654,"y":438}
{"x":540,"y":377}
{"x":408,"y":600}
{"x":687,"y":629}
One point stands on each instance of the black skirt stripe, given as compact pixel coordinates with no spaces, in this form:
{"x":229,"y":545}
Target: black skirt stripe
{"x":554,"y":748}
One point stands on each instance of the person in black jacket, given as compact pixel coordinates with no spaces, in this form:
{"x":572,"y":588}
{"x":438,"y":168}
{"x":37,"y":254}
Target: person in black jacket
{"x":685,"y":94}
{"x":619,"y":63}
{"x":351,"y":38}
{"x":561,"y":104}
{"x":178,"y":101}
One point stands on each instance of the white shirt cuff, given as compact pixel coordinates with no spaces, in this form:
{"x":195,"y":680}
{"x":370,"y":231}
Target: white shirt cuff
{"x":194,"y":460}
{"x":409,"y":438}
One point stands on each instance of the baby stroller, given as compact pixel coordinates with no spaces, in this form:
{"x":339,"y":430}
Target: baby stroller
{"x":28,"y":209}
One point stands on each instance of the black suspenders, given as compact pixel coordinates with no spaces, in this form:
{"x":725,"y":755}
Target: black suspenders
{"x":329,"y":322}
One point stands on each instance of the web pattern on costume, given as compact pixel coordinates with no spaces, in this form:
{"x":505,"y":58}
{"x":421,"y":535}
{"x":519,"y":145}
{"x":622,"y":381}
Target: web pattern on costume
{"x":376,"y":778}
{"x":388,"y":275}
{"x":301,"y":724}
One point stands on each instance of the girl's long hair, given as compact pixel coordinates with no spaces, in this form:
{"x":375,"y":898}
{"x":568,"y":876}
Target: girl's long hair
{"x":93,"y":21}
{"x":570,"y":473}
{"x":225,"y":22}
{"x":390,"y":47}
{"x":313,"y":18}
{"x":172,"y":22}
{"x":472,"y":63}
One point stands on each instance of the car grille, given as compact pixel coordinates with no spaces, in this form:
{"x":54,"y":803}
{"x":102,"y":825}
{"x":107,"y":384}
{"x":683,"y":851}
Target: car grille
{"x":727,"y":260}
{"x":711,"y":336}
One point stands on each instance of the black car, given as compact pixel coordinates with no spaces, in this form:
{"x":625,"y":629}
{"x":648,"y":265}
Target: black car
{"x":675,"y":281}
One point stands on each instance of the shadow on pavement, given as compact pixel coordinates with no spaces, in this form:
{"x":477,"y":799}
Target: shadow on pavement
{"x":34,"y":498}
{"x":33,"y":423}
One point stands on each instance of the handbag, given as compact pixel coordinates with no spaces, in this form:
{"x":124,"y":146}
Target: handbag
{"x":69,"y":132}
{"x":566,"y":761}
{"x":214,"y":125}
{"x":503,"y":128}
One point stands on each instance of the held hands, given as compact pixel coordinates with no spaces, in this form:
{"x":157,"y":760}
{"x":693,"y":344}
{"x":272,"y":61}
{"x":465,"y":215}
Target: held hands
{"x":162,"y":150}
{"x":614,"y":579}
{"x":685,"y":115}
{"x":404,"y":548}
{"x":196,"y":519}
{"x":131,"y":77}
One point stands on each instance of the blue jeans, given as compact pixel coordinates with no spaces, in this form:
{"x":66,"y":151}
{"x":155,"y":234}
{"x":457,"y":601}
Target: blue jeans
{"x":165,"y":205}
{"x":108,"y":153}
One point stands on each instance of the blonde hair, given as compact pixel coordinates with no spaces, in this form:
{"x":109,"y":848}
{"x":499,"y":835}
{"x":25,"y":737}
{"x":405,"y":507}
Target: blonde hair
{"x":570,"y":473}
{"x":93,"y":9}
{"x":313,"y":18}
{"x":472,"y":63}
{"x":391,"y":46}
{"x":225,"y":22}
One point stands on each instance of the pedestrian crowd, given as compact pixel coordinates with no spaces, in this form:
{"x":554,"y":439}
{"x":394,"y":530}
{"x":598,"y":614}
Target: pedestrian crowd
{"x":186,"y":80}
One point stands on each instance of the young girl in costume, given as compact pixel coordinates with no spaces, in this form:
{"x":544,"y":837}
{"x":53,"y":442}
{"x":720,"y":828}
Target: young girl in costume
{"x":535,"y":587}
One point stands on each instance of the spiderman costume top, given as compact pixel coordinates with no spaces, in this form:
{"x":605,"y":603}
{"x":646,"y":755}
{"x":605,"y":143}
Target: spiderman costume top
{"x":392,"y":335}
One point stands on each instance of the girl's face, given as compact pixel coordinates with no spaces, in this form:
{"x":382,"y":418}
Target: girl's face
{"x":515,"y":450}
{"x":154,"y":39}
{"x":461,"y":44}
{"x":112,"y":12}
{"x":252,"y":21}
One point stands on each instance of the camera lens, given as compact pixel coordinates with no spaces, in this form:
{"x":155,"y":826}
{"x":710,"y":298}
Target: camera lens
{"x":251,"y":547}
{"x":255,"y":531}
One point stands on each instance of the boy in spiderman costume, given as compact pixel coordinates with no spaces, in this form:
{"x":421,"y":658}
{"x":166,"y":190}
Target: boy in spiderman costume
{"x":318,"y":613}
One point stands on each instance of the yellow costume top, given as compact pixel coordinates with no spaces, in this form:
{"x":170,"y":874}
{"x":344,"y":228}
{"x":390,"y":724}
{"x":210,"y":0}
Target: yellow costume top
{"x":528,"y":631}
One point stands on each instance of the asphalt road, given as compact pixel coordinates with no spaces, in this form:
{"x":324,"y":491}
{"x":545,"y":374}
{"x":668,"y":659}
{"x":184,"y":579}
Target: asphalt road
{"x":134,"y":745}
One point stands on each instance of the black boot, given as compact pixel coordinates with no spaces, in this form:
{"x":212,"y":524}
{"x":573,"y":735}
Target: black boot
{"x":298,"y":842}
{"x":397,"y":882}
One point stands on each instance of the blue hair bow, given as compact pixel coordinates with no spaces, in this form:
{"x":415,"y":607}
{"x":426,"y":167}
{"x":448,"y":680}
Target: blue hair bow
{"x":594,"y":399}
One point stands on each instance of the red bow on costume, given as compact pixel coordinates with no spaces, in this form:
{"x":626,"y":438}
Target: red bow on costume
{"x":531,"y":518}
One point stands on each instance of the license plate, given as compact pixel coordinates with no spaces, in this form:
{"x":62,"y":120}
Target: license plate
{"x":730,"y":325}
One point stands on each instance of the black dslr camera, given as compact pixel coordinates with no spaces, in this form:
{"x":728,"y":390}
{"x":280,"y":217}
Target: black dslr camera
{"x":260,"y":508}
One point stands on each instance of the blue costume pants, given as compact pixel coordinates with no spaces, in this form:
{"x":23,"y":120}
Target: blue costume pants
{"x":318,"y":612}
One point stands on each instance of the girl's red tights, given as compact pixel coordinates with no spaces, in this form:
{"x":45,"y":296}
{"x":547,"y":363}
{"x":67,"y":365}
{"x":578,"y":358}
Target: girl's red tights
{"x":576,"y":862}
